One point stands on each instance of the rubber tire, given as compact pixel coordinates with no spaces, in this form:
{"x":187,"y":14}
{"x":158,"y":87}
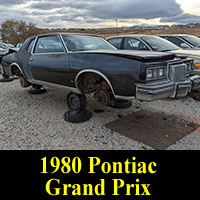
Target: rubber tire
{"x":77,"y":117}
{"x":122,"y":104}
{"x":36,"y":90}
{"x":5,"y":79}
{"x":81,"y":100}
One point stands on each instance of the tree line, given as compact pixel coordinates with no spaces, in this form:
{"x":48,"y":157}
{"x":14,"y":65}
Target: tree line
{"x":13,"y":31}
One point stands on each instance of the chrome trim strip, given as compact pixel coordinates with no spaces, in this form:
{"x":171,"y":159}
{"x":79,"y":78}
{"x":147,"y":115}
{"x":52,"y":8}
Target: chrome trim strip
{"x":15,"y":64}
{"x":96,"y":72}
{"x":124,"y":97}
{"x":148,"y":46}
{"x":65,"y":46}
{"x":34,"y":44}
{"x":33,"y":81}
{"x":185,"y":41}
{"x":53,"y":53}
{"x":75,"y":90}
{"x":65,"y":50}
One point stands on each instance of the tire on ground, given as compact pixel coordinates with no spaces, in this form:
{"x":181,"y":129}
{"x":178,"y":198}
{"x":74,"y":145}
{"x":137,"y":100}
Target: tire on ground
{"x":122,"y":104}
{"x":77,"y":117}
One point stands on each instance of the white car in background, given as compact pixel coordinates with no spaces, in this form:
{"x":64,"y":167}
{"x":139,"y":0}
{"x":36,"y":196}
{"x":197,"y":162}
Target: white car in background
{"x":7,"y":48}
{"x":154,"y":43}
{"x":4,"y":49}
{"x":184,"y":41}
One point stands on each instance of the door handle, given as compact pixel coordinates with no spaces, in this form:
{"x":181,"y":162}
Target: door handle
{"x":31,"y":59}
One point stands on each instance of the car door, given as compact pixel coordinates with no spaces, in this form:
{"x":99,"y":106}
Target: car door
{"x":49,"y":61}
{"x":26,"y":54}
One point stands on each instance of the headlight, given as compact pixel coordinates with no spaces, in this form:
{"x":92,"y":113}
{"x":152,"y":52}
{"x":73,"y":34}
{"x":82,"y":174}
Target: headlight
{"x":196,"y":62}
{"x":161,"y":72}
{"x":149,"y":73}
{"x":156,"y":73}
{"x":190,"y":67}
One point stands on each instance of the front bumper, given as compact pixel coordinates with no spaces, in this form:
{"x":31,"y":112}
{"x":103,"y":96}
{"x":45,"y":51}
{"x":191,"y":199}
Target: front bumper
{"x":156,"y":91}
{"x":195,"y":81}
{"x":196,"y":71}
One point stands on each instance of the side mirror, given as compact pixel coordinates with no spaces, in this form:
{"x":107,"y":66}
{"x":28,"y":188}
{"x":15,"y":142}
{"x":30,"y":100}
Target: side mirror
{"x":184,"y":46}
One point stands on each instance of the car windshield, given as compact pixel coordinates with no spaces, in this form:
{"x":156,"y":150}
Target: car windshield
{"x":86,"y":43}
{"x":159,"y":44}
{"x":195,"y":41}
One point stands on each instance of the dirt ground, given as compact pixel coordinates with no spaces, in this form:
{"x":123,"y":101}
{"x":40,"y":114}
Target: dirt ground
{"x":37,"y":122}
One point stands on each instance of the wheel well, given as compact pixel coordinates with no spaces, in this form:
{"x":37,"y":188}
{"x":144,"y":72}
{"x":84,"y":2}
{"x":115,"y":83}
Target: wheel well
{"x":15,"y":70}
{"x":89,"y":82}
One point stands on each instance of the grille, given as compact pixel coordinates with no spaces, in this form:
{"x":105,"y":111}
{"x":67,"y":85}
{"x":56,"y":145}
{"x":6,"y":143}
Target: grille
{"x":177,"y":73}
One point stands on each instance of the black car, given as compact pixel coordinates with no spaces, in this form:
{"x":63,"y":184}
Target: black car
{"x":184,"y":41}
{"x":85,"y":64}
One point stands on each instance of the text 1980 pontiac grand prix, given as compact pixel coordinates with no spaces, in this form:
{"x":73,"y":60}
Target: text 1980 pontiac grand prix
{"x":86,"y":64}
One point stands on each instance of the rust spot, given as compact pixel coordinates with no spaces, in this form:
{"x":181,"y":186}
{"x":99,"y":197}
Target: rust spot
{"x":193,"y":120}
{"x":197,"y":131}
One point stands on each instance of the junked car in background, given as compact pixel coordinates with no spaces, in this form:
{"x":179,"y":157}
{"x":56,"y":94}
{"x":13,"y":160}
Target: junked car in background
{"x":157,"y":44}
{"x":15,"y":48}
{"x":3,"y":50}
{"x":7,"y":49}
{"x":183,"y":41}
{"x":85,"y":64}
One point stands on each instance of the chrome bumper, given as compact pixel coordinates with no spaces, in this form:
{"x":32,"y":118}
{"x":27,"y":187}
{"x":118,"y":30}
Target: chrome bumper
{"x":152,"y":92}
{"x":195,"y":81}
{"x":196,"y":71}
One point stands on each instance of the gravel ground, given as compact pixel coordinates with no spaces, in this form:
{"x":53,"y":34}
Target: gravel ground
{"x":36,"y":122}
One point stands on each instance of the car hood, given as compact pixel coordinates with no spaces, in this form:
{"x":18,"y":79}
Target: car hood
{"x":138,"y":55}
{"x":188,"y":53}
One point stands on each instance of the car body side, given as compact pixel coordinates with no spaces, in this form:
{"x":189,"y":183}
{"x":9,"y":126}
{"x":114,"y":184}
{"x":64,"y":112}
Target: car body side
{"x":122,"y":71}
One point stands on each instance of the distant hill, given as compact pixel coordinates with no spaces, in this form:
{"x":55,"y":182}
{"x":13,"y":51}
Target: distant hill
{"x":193,"y":29}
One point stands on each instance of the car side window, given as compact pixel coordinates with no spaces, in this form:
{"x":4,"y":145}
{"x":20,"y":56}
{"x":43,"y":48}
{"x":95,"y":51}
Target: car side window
{"x":49,"y":44}
{"x":134,"y":44}
{"x":116,"y":42}
{"x":175,"y":40}
{"x":29,"y":49}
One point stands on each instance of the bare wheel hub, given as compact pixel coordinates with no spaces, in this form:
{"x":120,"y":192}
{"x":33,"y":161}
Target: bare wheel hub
{"x":103,"y":97}
{"x":23,"y":82}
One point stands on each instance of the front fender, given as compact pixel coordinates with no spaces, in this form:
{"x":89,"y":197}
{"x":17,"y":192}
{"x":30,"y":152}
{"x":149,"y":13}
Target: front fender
{"x":121,"y":72}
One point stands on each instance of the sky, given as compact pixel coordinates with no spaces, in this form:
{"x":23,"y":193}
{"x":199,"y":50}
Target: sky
{"x":103,"y":13}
